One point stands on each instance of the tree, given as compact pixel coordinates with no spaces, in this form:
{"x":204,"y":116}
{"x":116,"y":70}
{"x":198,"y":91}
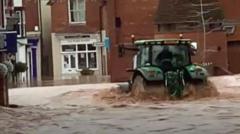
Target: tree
{"x":189,"y":14}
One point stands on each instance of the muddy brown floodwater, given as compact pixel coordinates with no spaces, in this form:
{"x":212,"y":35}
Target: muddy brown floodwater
{"x":211,"y":116}
{"x":112,"y":111}
{"x":155,"y":95}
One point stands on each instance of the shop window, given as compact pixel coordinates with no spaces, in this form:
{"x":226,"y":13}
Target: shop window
{"x":69,"y":48}
{"x":82,"y":60}
{"x":77,"y":11}
{"x":92,"y":60}
{"x":81,"y":47}
{"x":78,"y":56}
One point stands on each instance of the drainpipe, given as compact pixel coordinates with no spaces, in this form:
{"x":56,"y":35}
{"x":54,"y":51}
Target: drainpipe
{"x":41,"y":37}
{"x":102,"y":4}
{"x":22,"y":23}
{"x":204,"y":31}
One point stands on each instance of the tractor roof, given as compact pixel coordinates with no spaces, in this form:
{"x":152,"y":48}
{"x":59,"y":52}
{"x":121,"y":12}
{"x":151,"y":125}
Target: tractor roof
{"x":162,"y":41}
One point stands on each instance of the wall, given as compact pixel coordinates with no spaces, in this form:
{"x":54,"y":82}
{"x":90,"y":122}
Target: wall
{"x":60,"y":18}
{"x":137,"y":17}
{"x":31,"y":12}
{"x":56,"y":57}
{"x":46,"y":45}
{"x":232,"y":14}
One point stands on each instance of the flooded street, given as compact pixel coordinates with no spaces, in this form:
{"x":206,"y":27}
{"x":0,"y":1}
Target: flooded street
{"x":207,"y":116}
{"x":74,"y":110}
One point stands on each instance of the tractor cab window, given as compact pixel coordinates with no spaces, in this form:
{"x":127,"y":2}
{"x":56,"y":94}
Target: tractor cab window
{"x":170,"y":56}
{"x":144,"y":55}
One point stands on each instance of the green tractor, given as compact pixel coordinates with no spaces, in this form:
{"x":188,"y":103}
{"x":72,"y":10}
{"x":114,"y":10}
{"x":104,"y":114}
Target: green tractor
{"x":163,"y":68}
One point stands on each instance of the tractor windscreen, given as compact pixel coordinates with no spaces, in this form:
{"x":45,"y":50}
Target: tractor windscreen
{"x":168,"y":56}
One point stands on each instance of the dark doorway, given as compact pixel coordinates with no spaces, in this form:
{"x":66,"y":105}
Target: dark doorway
{"x":234,"y":56}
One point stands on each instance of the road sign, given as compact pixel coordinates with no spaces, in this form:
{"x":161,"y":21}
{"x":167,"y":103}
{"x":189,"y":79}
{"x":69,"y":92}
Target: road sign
{"x":107,"y":42}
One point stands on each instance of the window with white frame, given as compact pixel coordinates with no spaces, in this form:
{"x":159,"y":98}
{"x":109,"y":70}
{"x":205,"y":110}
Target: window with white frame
{"x":78,"y":56}
{"x":77,"y":11}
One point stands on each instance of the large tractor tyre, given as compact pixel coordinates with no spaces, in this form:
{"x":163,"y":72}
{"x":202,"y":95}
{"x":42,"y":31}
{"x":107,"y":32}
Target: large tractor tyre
{"x":142,"y":90}
{"x":200,"y":90}
{"x":138,"y":86}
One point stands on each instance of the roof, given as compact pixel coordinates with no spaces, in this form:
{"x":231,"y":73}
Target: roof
{"x":161,"y":41}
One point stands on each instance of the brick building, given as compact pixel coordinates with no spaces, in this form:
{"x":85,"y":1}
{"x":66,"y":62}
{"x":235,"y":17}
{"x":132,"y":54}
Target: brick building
{"x":232,"y":15}
{"x":139,"y":18}
{"x":76,"y":38}
{"x":79,"y":23}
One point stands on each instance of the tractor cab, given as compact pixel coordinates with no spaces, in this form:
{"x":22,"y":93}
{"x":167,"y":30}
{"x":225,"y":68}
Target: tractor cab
{"x":168,"y":54}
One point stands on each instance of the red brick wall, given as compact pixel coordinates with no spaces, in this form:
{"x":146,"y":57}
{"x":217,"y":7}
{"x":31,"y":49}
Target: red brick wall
{"x":31,"y":12}
{"x":232,"y":13}
{"x":137,"y":17}
{"x":60,"y":18}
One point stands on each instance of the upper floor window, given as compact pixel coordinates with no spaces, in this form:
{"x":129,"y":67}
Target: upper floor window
{"x":77,"y":11}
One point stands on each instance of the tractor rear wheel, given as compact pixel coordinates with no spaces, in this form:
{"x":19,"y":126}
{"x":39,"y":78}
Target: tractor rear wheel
{"x":200,"y":90}
{"x":142,"y":90}
{"x":138,"y":86}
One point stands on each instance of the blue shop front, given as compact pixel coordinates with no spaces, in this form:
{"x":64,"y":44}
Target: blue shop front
{"x":8,"y":42}
{"x":25,"y":50}
{"x":32,"y":55}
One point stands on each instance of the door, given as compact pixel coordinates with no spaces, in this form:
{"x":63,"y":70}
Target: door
{"x":234,"y":56}
{"x":68,"y":63}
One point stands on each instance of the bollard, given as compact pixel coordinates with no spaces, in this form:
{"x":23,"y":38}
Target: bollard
{"x":3,"y":92}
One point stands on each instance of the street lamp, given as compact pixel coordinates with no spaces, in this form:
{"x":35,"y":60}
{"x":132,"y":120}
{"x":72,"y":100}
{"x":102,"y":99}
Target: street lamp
{"x":133,"y":38}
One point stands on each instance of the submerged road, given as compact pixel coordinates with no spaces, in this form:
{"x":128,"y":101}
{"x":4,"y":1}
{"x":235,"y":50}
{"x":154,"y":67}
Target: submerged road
{"x":206,"y":116}
{"x":70,"y":110}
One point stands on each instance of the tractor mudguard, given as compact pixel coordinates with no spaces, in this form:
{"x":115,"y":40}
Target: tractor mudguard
{"x":197,"y":72}
{"x":150,"y":73}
